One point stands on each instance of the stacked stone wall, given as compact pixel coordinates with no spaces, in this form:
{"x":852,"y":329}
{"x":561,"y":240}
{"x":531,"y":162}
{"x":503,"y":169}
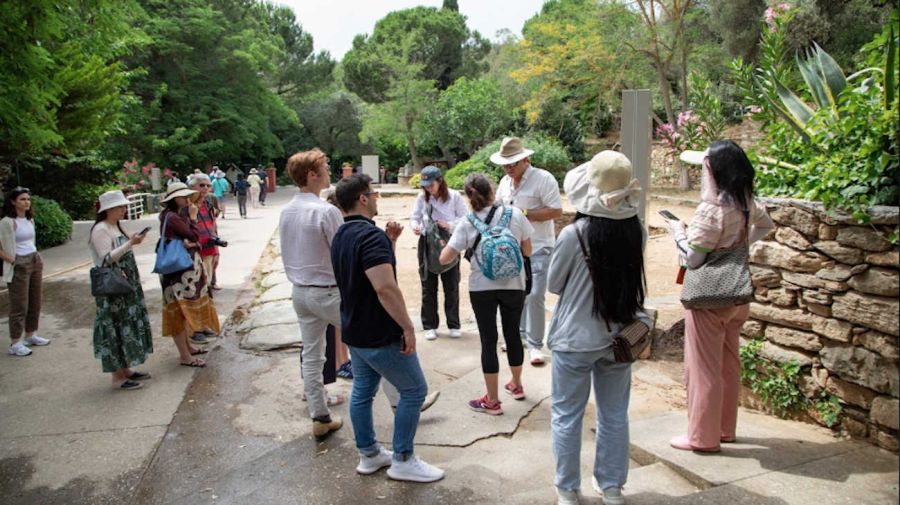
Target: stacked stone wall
{"x":827,"y":295}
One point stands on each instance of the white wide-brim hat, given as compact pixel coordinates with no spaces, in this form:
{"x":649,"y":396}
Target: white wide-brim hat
{"x":693,"y":157}
{"x":111,"y":200}
{"x":604,"y":187}
{"x":175,"y":190}
{"x":511,"y":151}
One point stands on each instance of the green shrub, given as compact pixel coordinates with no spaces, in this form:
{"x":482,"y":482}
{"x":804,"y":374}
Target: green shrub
{"x":549,"y":154}
{"x":415,"y":180}
{"x":52,"y":225}
{"x":81,"y":198}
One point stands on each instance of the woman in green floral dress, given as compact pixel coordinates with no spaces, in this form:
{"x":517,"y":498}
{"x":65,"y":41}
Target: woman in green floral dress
{"x":122,"y":337}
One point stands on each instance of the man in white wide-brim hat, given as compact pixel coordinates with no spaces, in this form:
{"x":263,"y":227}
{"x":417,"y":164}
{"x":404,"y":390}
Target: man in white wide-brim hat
{"x":536,"y":192}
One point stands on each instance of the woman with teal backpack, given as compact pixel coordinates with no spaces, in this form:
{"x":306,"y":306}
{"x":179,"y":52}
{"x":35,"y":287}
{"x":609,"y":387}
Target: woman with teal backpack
{"x":490,"y":286}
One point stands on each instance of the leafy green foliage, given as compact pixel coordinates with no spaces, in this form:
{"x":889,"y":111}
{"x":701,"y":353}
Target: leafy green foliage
{"x":845,"y":152}
{"x":52,"y":226}
{"x":729,"y":18}
{"x":775,"y":383}
{"x":466,"y":115}
{"x":442,"y":47}
{"x":61,"y":81}
{"x":548,"y":154}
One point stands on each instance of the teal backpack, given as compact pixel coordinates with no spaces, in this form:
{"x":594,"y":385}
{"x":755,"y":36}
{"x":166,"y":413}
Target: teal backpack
{"x":501,"y":256}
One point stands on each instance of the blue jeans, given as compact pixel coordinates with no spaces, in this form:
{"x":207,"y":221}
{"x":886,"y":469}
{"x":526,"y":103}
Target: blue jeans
{"x":532,"y":324}
{"x":404,"y":372}
{"x":572,"y":375}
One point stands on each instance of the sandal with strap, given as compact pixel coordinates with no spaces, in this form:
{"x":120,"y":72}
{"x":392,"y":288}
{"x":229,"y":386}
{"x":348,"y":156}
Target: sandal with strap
{"x":139,"y":376}
{"x":196,"y":363}
{"x":129,"y":385}
{"x":199,"y":350}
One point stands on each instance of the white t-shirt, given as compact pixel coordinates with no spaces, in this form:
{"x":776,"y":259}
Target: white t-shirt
{"x":464,"y":237}
{"x":24,"y":237}
{"x":537,"y":189}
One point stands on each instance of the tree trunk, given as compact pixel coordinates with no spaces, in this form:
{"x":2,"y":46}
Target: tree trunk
{"x":411,"y":143}
{"x":684,"y":177}
{"x":666,"y":92}
{"x":448,"y":156}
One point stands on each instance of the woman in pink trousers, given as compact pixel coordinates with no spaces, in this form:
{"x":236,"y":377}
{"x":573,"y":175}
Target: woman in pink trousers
{"x":726,"y":216}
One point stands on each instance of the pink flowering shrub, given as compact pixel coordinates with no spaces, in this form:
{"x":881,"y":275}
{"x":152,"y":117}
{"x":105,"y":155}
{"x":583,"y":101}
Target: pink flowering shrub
{"x":135,"y":178}
{"x":689,"y":132}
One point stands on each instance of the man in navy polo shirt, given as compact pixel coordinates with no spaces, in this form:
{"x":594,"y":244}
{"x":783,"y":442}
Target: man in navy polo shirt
{"x":378,"y":331}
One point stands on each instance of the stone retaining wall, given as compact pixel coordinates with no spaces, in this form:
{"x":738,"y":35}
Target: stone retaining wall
{"x":827,"y":295}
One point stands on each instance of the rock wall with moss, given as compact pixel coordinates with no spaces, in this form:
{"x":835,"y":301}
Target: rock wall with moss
{"x":827,"y":296}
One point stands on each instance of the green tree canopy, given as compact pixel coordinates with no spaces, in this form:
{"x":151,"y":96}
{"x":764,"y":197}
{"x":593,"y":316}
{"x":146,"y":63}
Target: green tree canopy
{"x":443,"y":47}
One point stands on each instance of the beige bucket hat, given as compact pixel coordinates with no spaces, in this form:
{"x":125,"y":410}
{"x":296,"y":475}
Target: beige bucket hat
{"x":511,"y":151}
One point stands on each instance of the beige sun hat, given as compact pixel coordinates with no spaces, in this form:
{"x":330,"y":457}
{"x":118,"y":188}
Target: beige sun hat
{"x":511,"y":151}
{"x":177,"y":189}
{"x":604,"y":187}
{"x":111,"y":200}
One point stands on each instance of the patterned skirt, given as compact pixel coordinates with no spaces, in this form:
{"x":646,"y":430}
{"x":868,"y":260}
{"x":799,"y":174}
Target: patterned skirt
{"x":122,"y":336}
{"x":186,"y":301}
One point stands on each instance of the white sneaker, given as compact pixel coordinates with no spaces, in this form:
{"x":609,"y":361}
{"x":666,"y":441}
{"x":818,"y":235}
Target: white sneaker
{"x":19,"y":349}
{"x":613,"y":496}
{"x":537,"y":357}
{"x":564,"y":497}
{"x":455,"y":333}
{"x":414,"y":470}
{"x":35,"y":340}
{"x":371,"y":464}
{"x":430,"y":334}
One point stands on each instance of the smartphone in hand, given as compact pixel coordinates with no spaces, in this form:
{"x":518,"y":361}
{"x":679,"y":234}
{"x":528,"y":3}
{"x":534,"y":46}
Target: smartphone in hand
{"x":668,"y":215}
{"x":144,"y":231}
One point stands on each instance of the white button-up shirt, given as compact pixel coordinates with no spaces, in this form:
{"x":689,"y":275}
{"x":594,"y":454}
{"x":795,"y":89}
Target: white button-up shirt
{"x":536,"y":190}
{"x":451,"y":210}
{"x":306,"y":227}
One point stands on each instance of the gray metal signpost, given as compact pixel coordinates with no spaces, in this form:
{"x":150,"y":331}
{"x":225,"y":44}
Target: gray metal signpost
{"x":636,"y":124}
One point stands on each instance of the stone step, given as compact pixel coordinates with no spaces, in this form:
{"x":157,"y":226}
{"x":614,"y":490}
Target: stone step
{"x":649,"y":484}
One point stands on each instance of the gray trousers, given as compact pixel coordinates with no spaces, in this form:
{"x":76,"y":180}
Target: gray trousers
{"x":533,"y":322}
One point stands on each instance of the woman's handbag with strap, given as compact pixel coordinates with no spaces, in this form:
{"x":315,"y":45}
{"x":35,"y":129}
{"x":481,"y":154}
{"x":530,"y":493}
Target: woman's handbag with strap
{"x":171,"y":255}
{"x":722,"y":281}
{"x":435,"y":240}
{"x":109,"y":280}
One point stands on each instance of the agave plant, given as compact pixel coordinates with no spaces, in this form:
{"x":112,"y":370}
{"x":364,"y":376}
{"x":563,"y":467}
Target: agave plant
{"x":826,"y":81}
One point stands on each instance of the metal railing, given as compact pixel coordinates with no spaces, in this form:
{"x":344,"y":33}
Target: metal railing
{"x":136,"y":205}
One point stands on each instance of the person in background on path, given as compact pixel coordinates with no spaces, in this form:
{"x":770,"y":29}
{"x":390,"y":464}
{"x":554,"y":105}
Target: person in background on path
{"x":306,"y":228}
{"x":255,"y":182}
{"x":209,"y":230}
{"x":726,"y":217}
{"x":122,"y":338}
{"x":240,"y":191}
{"x":444,"y":207}
{"x":487,"y":296}
{"x":536,"y":192}
{"x":187,"y":307}
{"x":600,"y":293}
{"x":220,"y":189}
{"x":23,"y":271}
{"x":263,"y":186}
{"x":377,"y":328}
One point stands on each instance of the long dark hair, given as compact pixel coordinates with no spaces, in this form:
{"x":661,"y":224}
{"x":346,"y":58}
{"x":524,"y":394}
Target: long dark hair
{"x":617,"y":266}
{"x":443,"y":192}
{"x":101,"y":216}
{"x":733,"y":172}
{"x":9,"y":206}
